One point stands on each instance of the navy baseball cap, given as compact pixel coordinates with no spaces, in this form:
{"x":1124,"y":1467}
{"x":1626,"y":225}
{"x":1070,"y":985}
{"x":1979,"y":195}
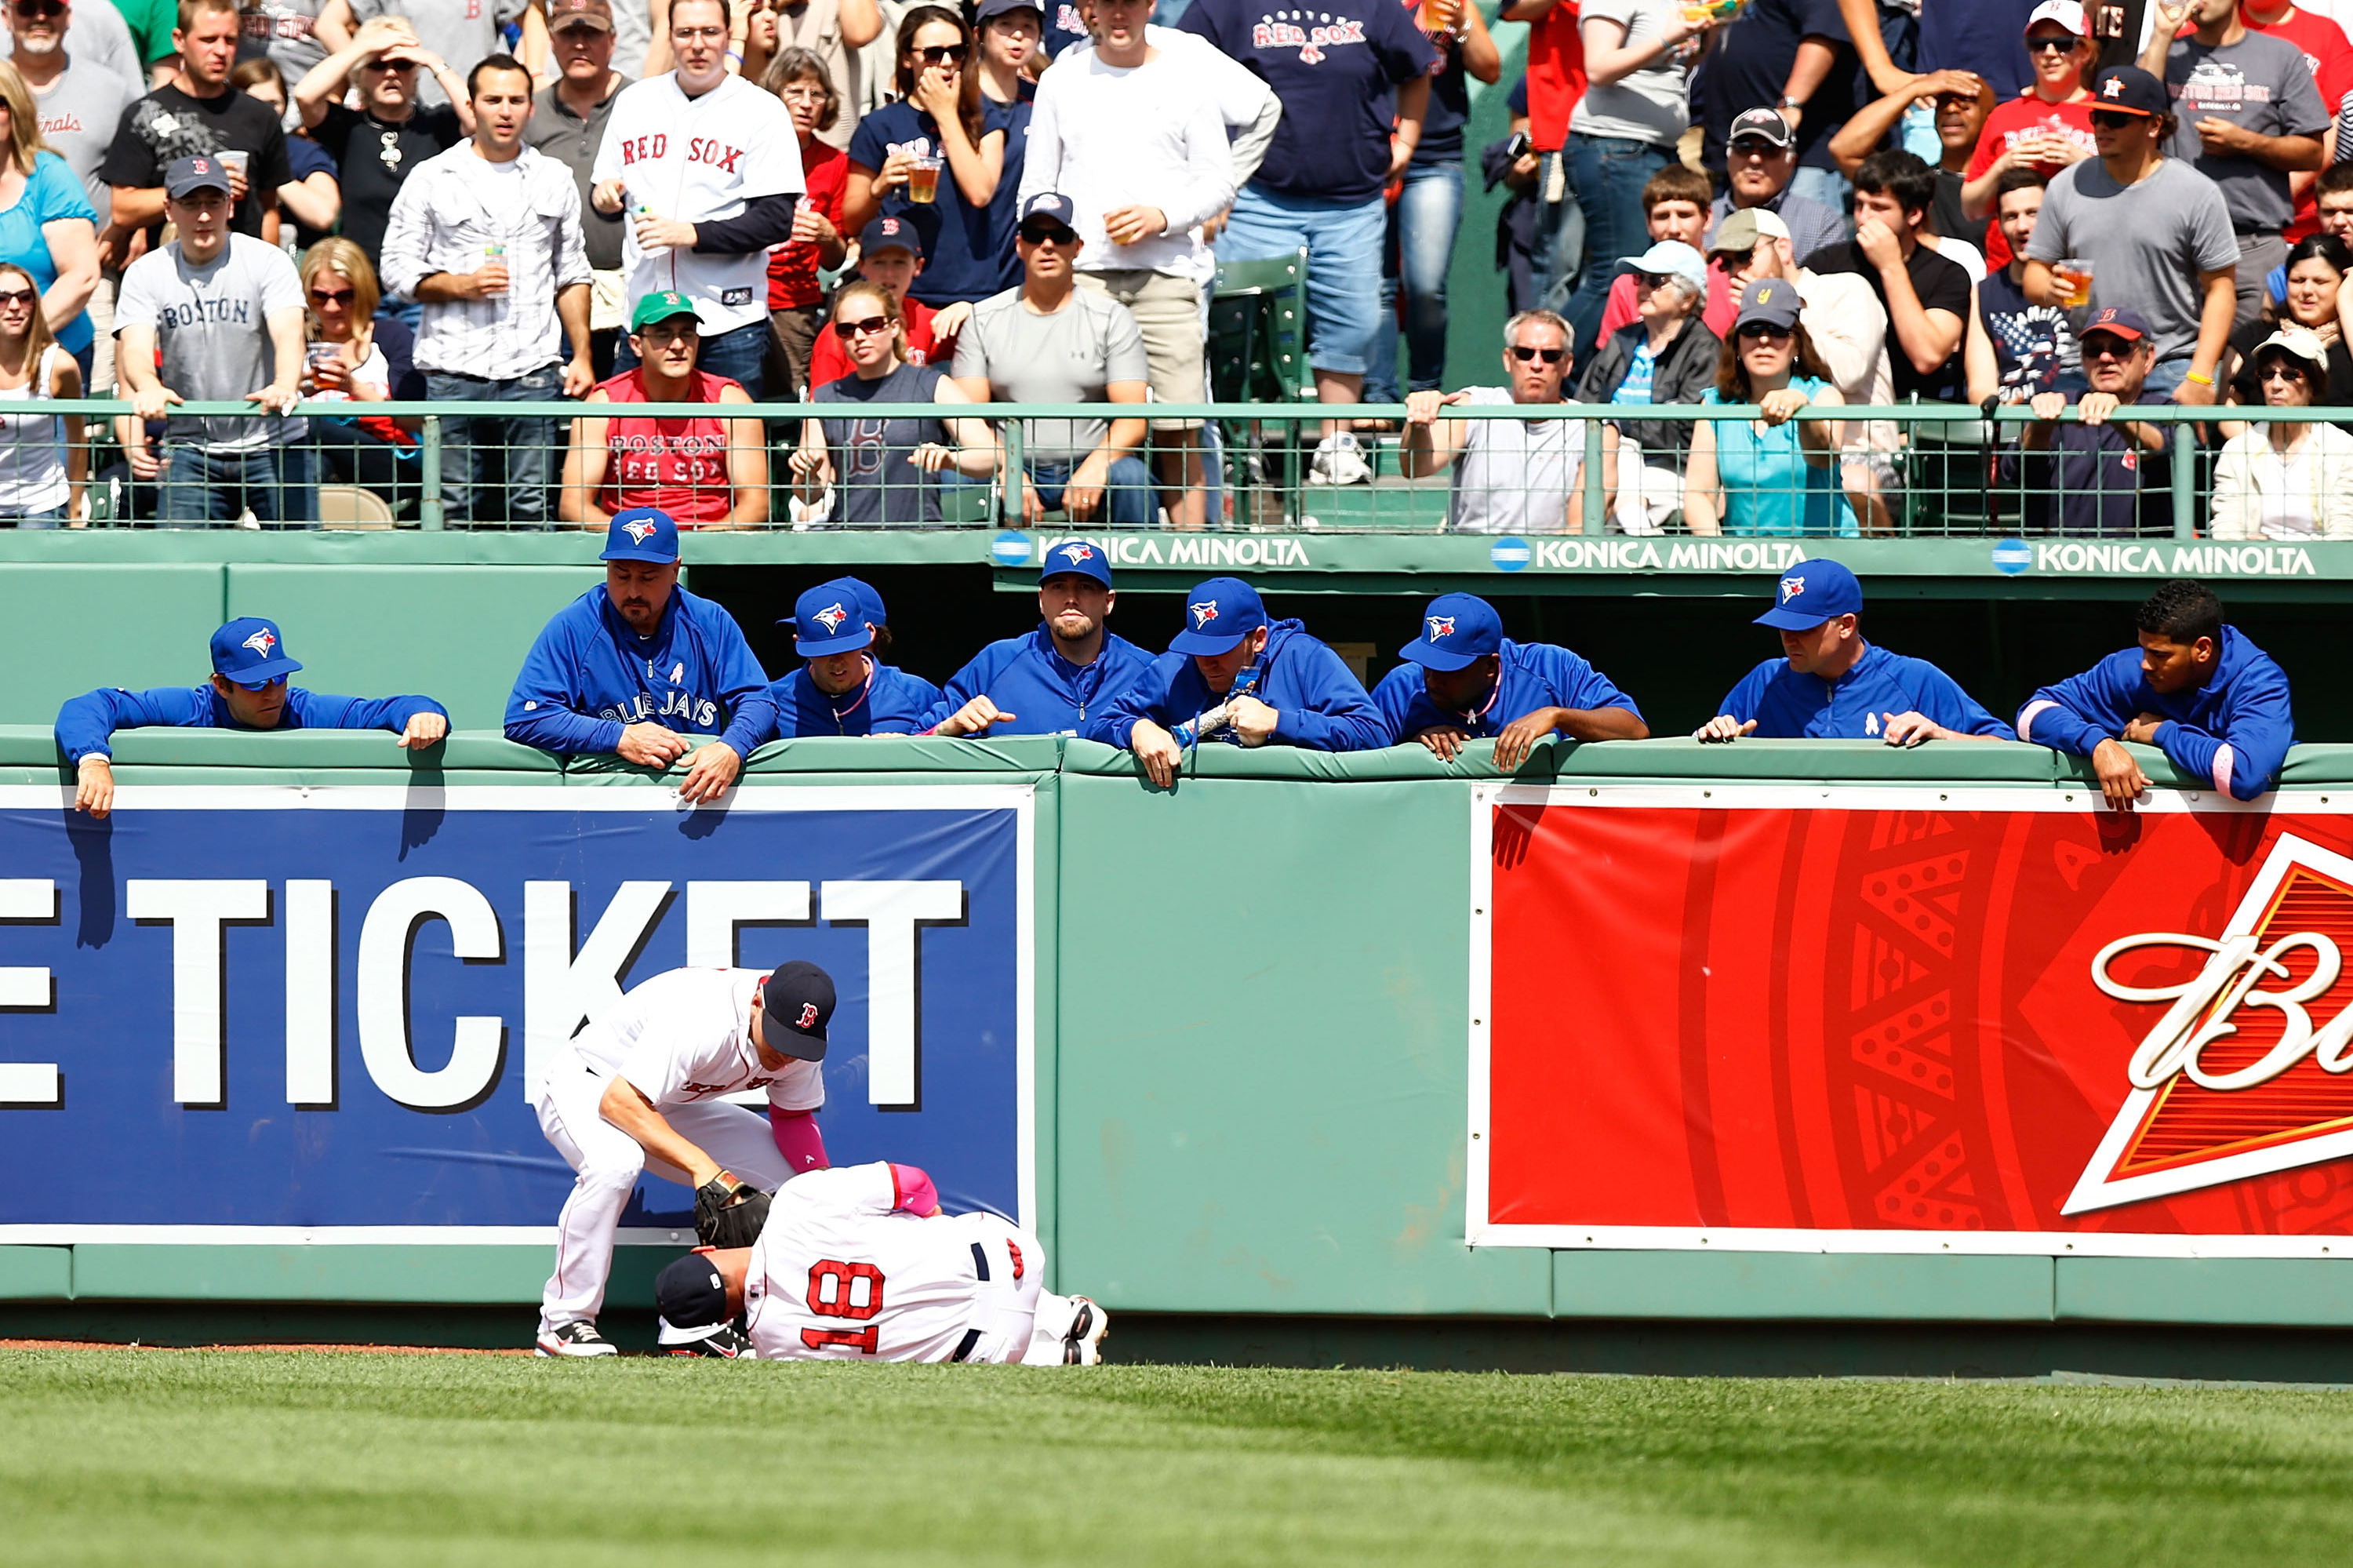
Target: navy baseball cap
{"x":2116,"y":321}
{"x":691,"y":1300}
{"x":1217,"y":615}
{"x":884,"y":233}
{"x":2128,"y":90}
{"x":250,"y":652}
{"x":182,"y":178}
{"x":1076,"y":558}
{"x":1810,"y":593}
{"x":641,"y":533}
{"x":1772,"y":301}
{"x":795,"y":1003}
{"x":830,"y":619}
{"x":999,"y":8}
{"x":1458,"y":630}
{"x":1051,"y":205}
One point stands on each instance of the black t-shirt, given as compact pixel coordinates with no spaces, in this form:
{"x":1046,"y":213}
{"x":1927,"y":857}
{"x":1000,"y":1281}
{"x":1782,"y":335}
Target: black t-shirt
{"x":374,"y":156}
{"x":1942,"y":285}
{"x":167,"y":124}
{"x":1751,"y":68}
{"x":1945,"y":212}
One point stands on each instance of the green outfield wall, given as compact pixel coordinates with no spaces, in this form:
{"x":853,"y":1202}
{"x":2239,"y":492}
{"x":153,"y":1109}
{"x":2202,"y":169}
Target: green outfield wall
{"x":1252,"y":1053}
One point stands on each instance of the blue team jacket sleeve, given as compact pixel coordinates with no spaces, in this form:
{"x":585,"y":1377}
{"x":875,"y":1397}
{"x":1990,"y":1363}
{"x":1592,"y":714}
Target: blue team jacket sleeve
{"x":1145,"y":699}
{"x":2077,"y":714}
{"x":1743,"y":701}
{"x":86,"y":723}
{"x":1334,"y":712}
{"x":540,"y":711}
{"x":318,"y":710}
{"x":2260,"y":730}
{"x":911,"y":698}
{"x":743,"y":685}
{"x":1942,"y":699}
{"x":1395,"y":694}
{"x":1580,"y":685}
{"x":963,"y":685}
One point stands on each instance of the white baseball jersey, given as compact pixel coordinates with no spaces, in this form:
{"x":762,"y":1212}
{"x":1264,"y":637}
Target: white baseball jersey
{"x":842,"y":1272}
{"x":685,"y":1037}
{"x":699,"y":159}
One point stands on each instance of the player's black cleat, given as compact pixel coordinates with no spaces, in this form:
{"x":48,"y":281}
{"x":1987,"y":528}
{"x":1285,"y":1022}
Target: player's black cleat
{"x":1083,"y":1346}
{"x":728,"y":1341}
{"x":576,"y":1338}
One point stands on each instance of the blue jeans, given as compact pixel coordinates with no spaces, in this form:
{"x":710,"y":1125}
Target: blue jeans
{"x":1344,"y":265}
{"x":740,"y":354}
{"x":1560,"y":236}
{"x":280,"y":483}
{"x":1419,"y":252}
{"x":1827,"y":186}
{"x":1610,"y":173}
{"x":1128,"y":496}
{"x":2165,"y":376}
{"x":55,"y":517}
{"x":468,"y":446}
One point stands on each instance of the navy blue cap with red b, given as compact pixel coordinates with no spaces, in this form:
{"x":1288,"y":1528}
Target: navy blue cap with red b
{"x":797,"y":1000}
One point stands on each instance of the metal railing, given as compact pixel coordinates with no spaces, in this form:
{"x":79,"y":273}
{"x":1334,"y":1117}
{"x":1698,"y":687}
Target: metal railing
{"x":1913,"y":471}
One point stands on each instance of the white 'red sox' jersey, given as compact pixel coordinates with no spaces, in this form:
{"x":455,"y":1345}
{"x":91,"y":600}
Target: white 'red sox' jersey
{"x":685,"y":1036}
{"x":841,"y":1273}
{"x":699,"y":159}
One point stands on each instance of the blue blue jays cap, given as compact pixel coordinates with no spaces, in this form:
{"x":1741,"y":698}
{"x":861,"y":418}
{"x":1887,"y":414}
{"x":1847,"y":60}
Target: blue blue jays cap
{"x":1810,"y":593}
{"x":250,"y":652}
{"x":830,"y":619}
{"x":1218,"y":614}
{"x":1458,"y":630}
{"x":870,"y":602}
{"x":641,"y":533}
{"x":1076,"y":558}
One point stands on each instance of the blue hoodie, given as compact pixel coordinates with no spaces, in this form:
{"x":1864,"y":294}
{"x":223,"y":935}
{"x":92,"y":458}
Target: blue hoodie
{"x":1045,"y":693}
{"x":2234,"y":730}
{"x":1788,"y":705}
{"x":589,"y":675}
{"x":85,"y":724}
{"x":1534,"y":675}
{"x":892,"y":702}
{"x":1319,"y":703}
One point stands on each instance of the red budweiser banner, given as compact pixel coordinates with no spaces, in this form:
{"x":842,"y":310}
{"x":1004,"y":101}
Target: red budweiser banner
{"x":1877,"y":1020}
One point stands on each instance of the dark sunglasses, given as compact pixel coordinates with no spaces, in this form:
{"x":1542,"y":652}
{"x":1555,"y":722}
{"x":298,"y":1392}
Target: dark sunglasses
{"x":260,"y":686}
{"x":2115,"y":119}
{"x":943,"y":54}
{"x":1549,"y":356}
{"x":2053,"y":46}
{"x":2277,"y":370}
{"x":333,"y":296}
{"x":1044,"y":234}
{"x":2103,"y":346}
{"x":38,"y":7}
{"x":1756,"y":147}
{"x":845,"y":331}
{"x":1763,"y":332}
{"x":17,"y":296}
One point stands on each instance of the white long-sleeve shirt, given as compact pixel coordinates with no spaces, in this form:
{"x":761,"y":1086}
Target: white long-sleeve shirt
{"x":448,"y":216}
{"x":1149,"y":135}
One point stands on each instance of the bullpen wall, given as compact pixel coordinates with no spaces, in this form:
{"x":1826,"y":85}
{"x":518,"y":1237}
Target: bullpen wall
{"x":1282,"y":1040}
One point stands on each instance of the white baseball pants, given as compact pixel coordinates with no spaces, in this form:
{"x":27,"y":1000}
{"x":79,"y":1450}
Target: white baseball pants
{"x":1020,"y":1320}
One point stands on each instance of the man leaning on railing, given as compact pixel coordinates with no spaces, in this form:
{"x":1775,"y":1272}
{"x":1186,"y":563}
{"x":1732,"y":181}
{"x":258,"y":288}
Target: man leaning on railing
{"x":1516,"y":476}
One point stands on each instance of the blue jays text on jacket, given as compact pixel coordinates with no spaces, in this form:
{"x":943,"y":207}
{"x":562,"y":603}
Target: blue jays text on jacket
{"x":1788,"y":705}
{"x":1045,"y":693}
{"x":892,"y":702}
{"x":1534,"y":676}
{"x":1319,"y":704}
{"x":86,"y":722}
{"x":2235,"y":730}
{"x":588,"y":676}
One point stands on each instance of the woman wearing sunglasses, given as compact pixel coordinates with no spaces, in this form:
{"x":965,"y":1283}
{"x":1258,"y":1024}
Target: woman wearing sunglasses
{"x":46,"y":224}
{"x":2045,"y":128}
{"x":2292,"y":478}
{"x":1772,"y":475}
{"x":2316,"y":270}
{"x":355,"y":355}
{"x":43,"y":459}
{"x":943,"y":137}
{"x":879,"y":466}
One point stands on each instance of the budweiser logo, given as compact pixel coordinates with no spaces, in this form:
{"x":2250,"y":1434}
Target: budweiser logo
{"x":2247,"y":1071}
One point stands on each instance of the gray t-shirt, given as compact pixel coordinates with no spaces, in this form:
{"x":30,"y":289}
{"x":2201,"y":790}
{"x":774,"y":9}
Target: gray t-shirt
{"x":1651,"y":104}
{"x":1067,"y":357}
{"x":572,"y":141}
{"x":286,"y":31}
{"x":460,"y":31}
{"x":97,"y":34}
{"x":2260,"y":82}
{"x":875,"y":480}
{"x":212,"y":328}
{"x":79,"y":115}
{"x":2146,"y":243}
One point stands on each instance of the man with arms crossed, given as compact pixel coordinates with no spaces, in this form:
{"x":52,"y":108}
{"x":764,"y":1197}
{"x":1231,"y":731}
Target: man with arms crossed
{"x":645,"y":1087}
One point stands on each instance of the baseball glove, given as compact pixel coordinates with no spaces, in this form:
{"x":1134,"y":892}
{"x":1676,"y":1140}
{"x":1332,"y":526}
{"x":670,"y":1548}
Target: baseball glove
{"x":727,"y":1214}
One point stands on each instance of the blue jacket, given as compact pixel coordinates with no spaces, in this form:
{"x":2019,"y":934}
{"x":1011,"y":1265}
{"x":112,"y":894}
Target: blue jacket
{"x":1790,"y":706}
{"x":85,"y":724}
{"x":1045,"y":693}
{"x":589,"y":675}
{"x":1534,"y":675}
{"x":2235,"y":730}
{"x":1321,"y":704}
{"x":892,"y":702}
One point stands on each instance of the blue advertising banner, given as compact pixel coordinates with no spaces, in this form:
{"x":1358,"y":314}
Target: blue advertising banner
{"x":273,"y":1014}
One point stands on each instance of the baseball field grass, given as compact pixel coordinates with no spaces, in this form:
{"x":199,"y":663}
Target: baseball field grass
{"x":259,"y":1458}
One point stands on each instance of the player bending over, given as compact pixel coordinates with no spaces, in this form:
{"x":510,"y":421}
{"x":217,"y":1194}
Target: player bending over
{"x":860,"y":1263}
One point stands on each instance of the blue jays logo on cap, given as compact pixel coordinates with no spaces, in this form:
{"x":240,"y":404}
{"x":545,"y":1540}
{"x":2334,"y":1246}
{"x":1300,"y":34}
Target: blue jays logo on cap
{"x":1811,"y":592}
{"x":1792,"y":587}
{"x":1202,"y":613}
{"x":831,"y":617}
{"x":261,"y":642}
{"x":638,"y":530}
{"x":1440,"y":626}
{"x":1075,"y":553}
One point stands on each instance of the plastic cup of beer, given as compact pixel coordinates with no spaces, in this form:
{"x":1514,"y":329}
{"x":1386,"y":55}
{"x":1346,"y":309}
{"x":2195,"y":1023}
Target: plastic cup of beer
{"x":923,"y":179}
{"x":237,"y":164}
{"x":1440,"y":16}
{"x":2075,"y":275}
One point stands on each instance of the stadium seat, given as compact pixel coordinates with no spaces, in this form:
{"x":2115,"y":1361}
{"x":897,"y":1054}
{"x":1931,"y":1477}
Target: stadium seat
{"x":1258,"y":354}
{"x":350,"y":506}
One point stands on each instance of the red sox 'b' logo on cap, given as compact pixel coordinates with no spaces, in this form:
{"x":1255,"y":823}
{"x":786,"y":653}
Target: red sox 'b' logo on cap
{"x":831,"y":617}
{"x":807,"y":1020}
{"x":1202,"y":613}
{"x":261,"y":642}
{"x":1440,"y":626}
{"x":639,"y":531}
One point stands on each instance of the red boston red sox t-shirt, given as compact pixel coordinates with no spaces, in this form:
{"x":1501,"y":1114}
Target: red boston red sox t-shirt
{"x":1556,"y":76}
{"x":2025,"y":119}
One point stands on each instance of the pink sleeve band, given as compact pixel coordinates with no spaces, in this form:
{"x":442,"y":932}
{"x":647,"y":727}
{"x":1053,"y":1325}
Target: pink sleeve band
{"x":798,"y":1139}
{"x":914,"y":1189}
{"x":2026,"y":720}
{"x":2222,"y":760}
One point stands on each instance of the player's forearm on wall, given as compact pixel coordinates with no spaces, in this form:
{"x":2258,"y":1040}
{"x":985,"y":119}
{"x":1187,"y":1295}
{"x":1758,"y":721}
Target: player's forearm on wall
{"x":754,"y":722}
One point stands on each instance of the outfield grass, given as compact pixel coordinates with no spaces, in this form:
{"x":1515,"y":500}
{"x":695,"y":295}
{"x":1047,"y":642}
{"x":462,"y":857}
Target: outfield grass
{"x":262,"y":1458}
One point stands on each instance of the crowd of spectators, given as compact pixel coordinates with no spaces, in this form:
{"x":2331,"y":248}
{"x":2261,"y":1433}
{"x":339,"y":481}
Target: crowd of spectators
{"x":1950,"y":190}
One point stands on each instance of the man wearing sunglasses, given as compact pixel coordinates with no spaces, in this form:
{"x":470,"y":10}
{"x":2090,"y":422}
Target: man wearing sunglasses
{"x":98,"y":37}
{"x":388,"y":137}
{"x":199,"y":114}
{"x":463,"y":31}
{"x":248,"y":691}
{"x":2099,"y":474}
{"x":80,"y":100}
{"x":1517,"y":476}
{"x":1760,"y":160}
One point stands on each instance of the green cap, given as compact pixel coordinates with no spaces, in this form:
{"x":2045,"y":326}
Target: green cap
{"x":660,"y":307}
